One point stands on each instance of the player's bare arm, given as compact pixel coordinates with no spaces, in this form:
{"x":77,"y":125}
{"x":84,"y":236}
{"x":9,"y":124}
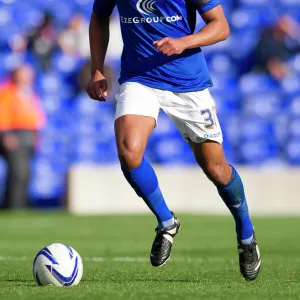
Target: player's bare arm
{"x":216,"y":30}
{"x":99,"y":38}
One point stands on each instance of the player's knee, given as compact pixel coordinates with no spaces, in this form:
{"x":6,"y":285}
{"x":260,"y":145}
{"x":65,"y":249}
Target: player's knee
{"x":217,"y":173}
{"x":130,"y":154}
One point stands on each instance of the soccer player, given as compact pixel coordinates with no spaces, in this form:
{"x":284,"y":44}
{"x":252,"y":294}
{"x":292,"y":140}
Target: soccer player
{"x":163,"y":67}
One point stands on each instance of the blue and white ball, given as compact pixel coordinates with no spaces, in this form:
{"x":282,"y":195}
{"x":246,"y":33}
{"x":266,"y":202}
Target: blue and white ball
{"x":58,"y":265}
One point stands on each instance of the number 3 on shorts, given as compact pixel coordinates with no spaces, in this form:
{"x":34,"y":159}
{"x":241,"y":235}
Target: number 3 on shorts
{"x":210,"y":119}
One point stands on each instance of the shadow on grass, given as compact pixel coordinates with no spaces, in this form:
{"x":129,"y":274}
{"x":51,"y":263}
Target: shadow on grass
{"x":160,"y":280}
{"x":20,"y":282}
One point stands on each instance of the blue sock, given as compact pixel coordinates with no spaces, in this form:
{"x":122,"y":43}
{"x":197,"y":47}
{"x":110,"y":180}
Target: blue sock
{"x":144,"y":181}
{"x":234,"y":197}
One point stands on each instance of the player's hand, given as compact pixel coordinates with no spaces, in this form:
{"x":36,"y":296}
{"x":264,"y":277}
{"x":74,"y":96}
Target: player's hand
{"x":169,"y":46}
{"x":97,"y":87}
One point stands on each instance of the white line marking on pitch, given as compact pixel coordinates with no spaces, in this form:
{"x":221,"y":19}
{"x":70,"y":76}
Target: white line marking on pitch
{"x":118,"y":259}
{"x":100,"y":259}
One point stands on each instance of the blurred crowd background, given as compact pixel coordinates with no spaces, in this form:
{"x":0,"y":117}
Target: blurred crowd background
{"x":47,"y":122}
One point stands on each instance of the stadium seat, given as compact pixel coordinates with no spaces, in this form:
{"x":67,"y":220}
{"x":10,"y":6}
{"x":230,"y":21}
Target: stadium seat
{"x":50,"y":82}
{"x":3,"y":169}
{"x":11,"y":61}
{"x":294,"y":127}
{"x":54,"y":105}
{"x":230,"y":124}
{"x":294,"y":63}
{"x":90,"y":150}
{"x":252,"y":128}
{"x":257,"y":82}
{"x":86,"y":107}
{"x":227,"y":101}
{"x":66,"y":64}
{"x":280,"y":125}
{"x":293,"y":108}
{"x":244,"y":19}
{"x":292,"y":151}
{"x":222,"y":64}
{"x":230,"y":152}
{"x":172,"y":151}
{"x":265,"y":104}
{"x":291,"y":85}
{"x":223,"y":83}
{"x":257,"y":152}
{"x":47,"y":181}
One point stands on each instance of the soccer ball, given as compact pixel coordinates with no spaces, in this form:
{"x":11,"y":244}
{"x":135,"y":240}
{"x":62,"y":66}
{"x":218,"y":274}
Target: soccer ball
{"x":58,"y":265}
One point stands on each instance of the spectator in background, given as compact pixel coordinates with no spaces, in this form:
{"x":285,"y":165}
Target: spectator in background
{"x":74,"y":39}
{"x":20,"y":119}
{"x":42,"y":42}
{"x":276,"y":45}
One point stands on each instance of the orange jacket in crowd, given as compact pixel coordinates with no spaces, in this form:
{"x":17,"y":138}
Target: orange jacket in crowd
{"x":19,"y":110}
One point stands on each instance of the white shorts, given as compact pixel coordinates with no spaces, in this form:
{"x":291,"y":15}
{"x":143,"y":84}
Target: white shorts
{"x":193,"y":113}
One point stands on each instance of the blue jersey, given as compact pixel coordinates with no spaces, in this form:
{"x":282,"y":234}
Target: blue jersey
{"x":145,"y":21}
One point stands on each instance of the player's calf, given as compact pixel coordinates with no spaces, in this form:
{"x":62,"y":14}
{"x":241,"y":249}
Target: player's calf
{"x":211,"y":158}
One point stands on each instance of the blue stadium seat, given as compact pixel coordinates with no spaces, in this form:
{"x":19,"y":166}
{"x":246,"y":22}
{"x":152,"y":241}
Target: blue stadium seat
{"x":294,"y":127}
{"x":83,"y":6}
{"x":280,"y":126}
{"x":53,"y":105}
{"x":47,"y":181}
{"x":294,"y":63}
{"x":291,"y":85}
{"x":230,"y":152}
{"x":293,"y":108}
{"x":231,"y":128}
{"x":288,"y":4}
{"x":106,"y":133}
{"x":257,"y":152}
{"x":66,"y":64}
{"x":252,"y":129}
{"x":172,"y":151}
{"x":257,"y":82}
{"x":224,"y":47}
{"x":292,"y":151}
{"x":222,"y":64}
{"x":227,"y":101}
{"x":86,"y":107}
{"x":3,"y":169}
{"x":256,"y":3}
{"x":50,"y":82}
{"x":107,"y":154}
{"x":264,"y":105}
{"x":244,"y":19}
{"x":6,"y":16}
{"x":223,"y":83}
{"x":55,"y":148}
{"x":89,"y":150}
{"x":84,"y":150}
{"x":11,"y":61}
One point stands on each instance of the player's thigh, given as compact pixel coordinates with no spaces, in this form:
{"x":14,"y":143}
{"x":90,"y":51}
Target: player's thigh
{"x":136,"y":115}
{"x":211,"y":158}
{"x":132,"y":132}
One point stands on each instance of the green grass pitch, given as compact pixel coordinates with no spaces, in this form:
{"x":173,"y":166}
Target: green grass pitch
{"x":115,"y":251}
